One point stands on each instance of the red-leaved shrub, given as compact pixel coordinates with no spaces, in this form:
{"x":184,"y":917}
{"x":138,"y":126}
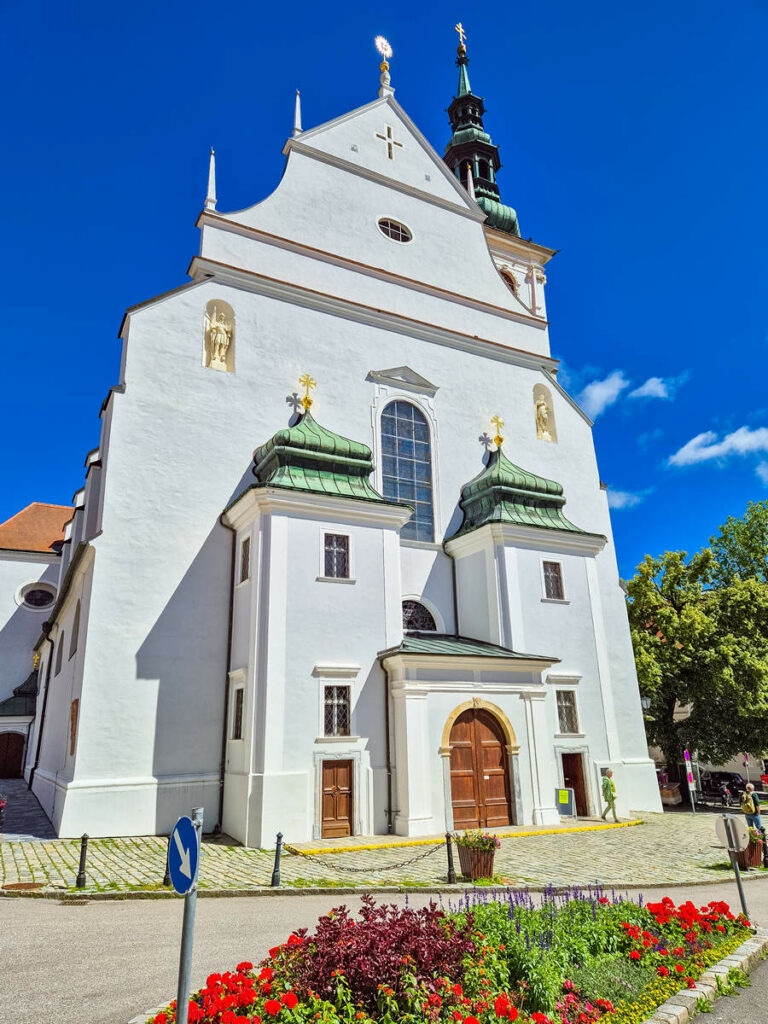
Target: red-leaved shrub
{"x":379,"y":949}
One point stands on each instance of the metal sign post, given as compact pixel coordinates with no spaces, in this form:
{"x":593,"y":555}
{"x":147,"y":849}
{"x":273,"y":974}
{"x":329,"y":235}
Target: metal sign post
{"x":183,"y":866}
{"x":734,"y":835}
{"x":689,"y":776}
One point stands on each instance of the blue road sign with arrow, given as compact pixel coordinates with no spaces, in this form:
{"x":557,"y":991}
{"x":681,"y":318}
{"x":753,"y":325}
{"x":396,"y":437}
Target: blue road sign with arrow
{"x":183,"y":853}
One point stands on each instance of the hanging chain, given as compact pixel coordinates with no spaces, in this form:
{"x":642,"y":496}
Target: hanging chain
{"x":340,"y":869}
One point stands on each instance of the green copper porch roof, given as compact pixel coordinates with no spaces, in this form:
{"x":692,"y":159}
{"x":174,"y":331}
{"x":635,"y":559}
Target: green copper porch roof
{"x":23,"y":700}
{"x":500,"y":216}
{"x":504,"y":493}
{"x":447,"y":644}
{"x":308,"y":457}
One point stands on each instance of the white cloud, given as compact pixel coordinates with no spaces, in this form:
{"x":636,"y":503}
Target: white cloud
{"x":625,"y":499}
{"x":659,"y":387}
{"x":705,"y":447}
{"x":600,"y":394}
{"x":762,"y":471}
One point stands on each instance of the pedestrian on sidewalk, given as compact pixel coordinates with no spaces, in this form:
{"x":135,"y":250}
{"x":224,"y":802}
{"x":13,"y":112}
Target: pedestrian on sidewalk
{"x":750,"y":804}
{"x":609,"y":795}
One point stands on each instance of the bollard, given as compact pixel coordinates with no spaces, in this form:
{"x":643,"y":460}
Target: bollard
{"x":167,"y":875}
{"x":765,"y":847}
{"x":80,"y":880}
{"x":276,"y":870}
{"x":451,"y":869}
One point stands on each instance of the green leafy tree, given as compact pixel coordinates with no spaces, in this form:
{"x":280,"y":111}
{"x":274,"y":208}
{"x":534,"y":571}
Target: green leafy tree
{"x":701,"y":648}
{"x":741,"y":545}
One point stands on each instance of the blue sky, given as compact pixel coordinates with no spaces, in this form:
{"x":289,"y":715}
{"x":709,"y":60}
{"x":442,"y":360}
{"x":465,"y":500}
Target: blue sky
{"x":632,"y":137}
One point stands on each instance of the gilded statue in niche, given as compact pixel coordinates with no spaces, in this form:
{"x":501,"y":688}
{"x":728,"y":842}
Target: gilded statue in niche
{"x":545,"y":420}
{"x":219,"y":336}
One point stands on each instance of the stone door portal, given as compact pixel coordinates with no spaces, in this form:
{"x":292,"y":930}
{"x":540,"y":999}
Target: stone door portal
{"x":480,"y":789}
{"x":11,"y":753}
{"x":337,"y":799}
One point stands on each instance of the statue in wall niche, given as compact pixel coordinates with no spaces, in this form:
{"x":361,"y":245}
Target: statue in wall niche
{"x":542,"y":419}
{"x":219,"y":329}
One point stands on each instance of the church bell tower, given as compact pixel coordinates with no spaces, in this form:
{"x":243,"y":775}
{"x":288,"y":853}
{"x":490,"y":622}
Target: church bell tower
{"x":471,"y":148}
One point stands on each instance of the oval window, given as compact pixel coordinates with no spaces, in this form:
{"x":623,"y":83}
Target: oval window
{"x":395,"y":230}
{"x":37,"y":596}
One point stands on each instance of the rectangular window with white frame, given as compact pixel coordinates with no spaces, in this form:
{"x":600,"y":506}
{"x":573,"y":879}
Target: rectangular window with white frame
{"x":554,"y":589}
{"x":567,"y":713}
{"x":245,"y":560}
{"x":238,"y":699}
{"x":336,"y":561}
{"x":337,"y":710}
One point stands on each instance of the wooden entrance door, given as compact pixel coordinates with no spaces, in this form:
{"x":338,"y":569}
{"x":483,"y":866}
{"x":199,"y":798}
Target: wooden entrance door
{"x":573,"y":777}
{"x":337,"y":799}
{"x":479,"y":772}
{"x":11,"y":753}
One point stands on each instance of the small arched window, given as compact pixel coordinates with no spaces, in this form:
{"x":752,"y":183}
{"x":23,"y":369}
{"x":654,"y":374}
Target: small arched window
{"x":75,"y":631}
{"x":407,"y":466}
{"x":417,"y":618}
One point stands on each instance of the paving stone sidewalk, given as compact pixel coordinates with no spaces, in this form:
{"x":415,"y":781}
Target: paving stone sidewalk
{"x":665,"y":849}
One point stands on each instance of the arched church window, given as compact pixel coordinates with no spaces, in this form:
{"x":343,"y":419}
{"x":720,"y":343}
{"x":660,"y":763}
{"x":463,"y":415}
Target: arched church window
{"x":219,"y":336}
{"x":417,"y":618}
{"x":544,"y":413}
{"x":508,"y":276}
{"x":482,"y":169}
{"x":407,"y":466}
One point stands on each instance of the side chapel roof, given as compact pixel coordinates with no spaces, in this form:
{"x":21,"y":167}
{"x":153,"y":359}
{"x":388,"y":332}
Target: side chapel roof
{"x":38,"y":527}
{"x":23,"y":700}
{"x":308,"y":457}
{"x":504,"y":493}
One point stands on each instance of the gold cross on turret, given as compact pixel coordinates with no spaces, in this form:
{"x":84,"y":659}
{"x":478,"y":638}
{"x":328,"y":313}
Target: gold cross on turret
{"x":497,"y":422}
{"x":308,"y":383}
{"x":35,"y":660}
{"x":462,"y":34}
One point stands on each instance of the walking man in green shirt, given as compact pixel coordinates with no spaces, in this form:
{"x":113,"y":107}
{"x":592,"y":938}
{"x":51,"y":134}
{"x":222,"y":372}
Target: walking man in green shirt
{"x":609,"y":795}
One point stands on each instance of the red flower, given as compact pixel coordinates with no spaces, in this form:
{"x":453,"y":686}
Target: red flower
{"x":274,"y":951}
{"x":603,"y":899}
{"x":244,"y":966}
{"x":289,"y":999}
{"x":457,"y":990}
{"x":663,"y":972}
{"x":471,"y":1020}
{"x":678,"y":951}
{"x":294,"y":940}
{"x":512,"y":1014}
{"x":272,"y":1007}
{"x":540,"y":1018}
{"x":256,"y":1020}
{"x":690,"y":983}
{"x":634,"y":955}
{"x":679,"y":968}
{"x":266,"y":974}
{"x":501,"y":1005}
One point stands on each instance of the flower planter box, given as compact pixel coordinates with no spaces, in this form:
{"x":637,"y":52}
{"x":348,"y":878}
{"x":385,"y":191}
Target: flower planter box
{"x":752,"y":857}
{"x":476,"y":863}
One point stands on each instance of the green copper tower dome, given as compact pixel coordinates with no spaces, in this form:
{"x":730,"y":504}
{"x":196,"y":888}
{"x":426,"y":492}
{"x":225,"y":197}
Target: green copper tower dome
{"x":471,"y":145}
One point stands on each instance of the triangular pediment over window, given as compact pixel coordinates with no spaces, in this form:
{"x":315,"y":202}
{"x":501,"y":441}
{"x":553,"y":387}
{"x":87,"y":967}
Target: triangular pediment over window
{"x":403,"y":377}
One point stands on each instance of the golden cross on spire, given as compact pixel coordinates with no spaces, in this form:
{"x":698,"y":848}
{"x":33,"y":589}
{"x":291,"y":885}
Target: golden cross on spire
{"x":309,"y":384}
{"x":497,"y":422}
{"x":462,"y":34}
{"x":35,"y":660}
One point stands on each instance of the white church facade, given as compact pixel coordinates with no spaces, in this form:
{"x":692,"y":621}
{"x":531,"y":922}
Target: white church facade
{"x":352,"y":608}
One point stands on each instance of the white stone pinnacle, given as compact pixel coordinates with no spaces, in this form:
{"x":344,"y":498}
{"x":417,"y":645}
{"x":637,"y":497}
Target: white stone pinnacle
{"x":210,"y":199}
{"x":297,"y":116}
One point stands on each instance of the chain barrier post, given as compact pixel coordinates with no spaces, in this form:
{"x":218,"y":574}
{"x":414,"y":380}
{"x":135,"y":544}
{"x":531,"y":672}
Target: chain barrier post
{"x":167,"y":875}
{"x":276,"y":869}
{"x":80,"y":880}
{"x":451,"y":869}
{"x":765,"y":846}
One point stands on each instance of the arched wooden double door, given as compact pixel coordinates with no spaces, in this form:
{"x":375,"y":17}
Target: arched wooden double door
{"x":480,"y":789}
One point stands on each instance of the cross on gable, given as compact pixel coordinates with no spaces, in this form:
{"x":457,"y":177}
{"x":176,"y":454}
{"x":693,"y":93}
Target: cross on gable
{"x":390,"y":141}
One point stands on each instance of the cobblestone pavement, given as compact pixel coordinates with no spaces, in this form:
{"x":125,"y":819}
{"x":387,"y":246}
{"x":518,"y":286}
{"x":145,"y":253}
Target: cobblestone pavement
{"x":23,"y":817}
{"x":666,"y":848}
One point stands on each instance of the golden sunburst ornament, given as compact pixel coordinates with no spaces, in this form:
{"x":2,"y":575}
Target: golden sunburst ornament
{"x":382,"y":45}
